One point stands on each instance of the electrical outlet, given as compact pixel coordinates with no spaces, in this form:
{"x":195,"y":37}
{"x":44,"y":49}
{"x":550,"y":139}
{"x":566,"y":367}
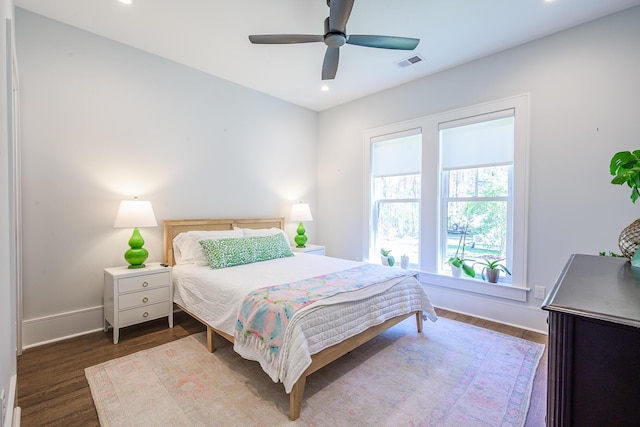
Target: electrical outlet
{"x":540,"y":292}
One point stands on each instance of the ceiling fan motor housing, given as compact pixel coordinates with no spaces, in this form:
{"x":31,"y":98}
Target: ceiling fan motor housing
{"x":335,"y":39}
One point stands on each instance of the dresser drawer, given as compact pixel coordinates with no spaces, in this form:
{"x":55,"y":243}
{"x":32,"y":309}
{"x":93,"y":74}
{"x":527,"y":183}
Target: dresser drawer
{"x":146,"y":281}
{"x":141,"y":314}
{"x":152,"y":296}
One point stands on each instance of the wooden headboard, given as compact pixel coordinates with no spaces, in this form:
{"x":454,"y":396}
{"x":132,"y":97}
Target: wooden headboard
{"x":172,"y":227}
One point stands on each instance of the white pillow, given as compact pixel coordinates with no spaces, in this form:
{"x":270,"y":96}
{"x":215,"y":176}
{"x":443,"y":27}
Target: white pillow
{"x":257,"y":232}
{"x":187,"y":248}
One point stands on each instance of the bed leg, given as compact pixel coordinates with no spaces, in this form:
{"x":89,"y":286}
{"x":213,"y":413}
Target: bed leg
{"x":419,"y":321}
{"x":295,"y":398}
{"x":211,"y":346}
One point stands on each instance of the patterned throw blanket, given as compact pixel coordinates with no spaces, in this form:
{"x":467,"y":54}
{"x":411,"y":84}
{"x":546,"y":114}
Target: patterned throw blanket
{"x":266,"y":312}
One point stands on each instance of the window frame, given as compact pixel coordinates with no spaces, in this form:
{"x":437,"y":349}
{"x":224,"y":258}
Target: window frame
{"x":375,"y":213}
{"x":431,"y":227}
{"x":372,"y":212}
{"x":445,"y":198}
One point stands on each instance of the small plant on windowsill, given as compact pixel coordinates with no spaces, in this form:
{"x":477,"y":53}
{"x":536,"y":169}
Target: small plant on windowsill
{"x":459,"y":263}
{"x":491,"y":269}
{"x":386,"y":258}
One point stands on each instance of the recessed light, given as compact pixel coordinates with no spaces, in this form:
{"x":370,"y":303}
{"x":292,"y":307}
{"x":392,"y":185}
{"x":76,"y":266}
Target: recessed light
{"x":324,"y":88}
{"x":126,"y":1}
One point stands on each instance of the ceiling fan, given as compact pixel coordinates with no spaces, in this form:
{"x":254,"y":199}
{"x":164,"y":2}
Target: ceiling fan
{"x":335,"y":36}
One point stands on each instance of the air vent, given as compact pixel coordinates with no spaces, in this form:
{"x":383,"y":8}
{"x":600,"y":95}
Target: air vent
{"x":409,"y":61}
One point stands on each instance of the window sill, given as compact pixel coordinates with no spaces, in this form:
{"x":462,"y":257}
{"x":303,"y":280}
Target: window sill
{"x":499,"y":290}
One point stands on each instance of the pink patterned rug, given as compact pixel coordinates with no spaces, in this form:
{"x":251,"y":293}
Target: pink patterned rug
{"x":453,"y":374}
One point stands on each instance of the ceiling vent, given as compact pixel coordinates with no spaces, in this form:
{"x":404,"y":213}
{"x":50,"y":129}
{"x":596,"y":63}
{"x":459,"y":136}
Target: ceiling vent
{"x":409,"y":61}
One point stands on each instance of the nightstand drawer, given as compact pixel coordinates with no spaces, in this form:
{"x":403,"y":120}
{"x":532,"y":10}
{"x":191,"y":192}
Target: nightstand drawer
{"x":142,"y":314}
{"x":152,"y":296}
{"x":147,"y":281}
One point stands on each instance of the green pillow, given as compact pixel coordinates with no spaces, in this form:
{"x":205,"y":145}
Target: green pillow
{"x":223,"y":253}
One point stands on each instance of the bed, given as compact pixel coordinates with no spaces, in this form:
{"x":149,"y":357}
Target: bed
{"x":318,"y":333}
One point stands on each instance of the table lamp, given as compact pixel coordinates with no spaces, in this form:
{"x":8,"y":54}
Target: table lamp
{"x":135,"y":213}
{"x":300,"y":212}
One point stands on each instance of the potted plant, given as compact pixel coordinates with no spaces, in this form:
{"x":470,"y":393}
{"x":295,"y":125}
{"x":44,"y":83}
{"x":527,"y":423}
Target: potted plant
{"x":459,"y":263}
{"x":625,"y":168}
{"x":491,"y":270}
{"x":386,"y":258}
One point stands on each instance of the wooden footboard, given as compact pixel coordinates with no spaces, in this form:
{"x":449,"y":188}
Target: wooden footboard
{"x":321,"y":359}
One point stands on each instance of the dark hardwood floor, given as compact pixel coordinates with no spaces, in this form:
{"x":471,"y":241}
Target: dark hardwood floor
{"x":53,"y":391}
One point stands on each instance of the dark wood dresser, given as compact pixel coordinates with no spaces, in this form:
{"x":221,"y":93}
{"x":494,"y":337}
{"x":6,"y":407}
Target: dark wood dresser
{"x":594,"y":344}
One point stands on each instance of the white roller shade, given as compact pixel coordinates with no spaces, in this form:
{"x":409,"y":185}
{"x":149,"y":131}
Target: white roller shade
{"x":478,"y":141}
{"x":400,"y":155}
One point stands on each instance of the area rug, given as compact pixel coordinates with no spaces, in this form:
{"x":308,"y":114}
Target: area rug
{"x":452,"y":374}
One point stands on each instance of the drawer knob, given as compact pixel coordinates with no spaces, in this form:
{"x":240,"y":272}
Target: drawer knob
{"x":146,"y":314}
{"x":145,"y":284}
{"x":145,"y":299}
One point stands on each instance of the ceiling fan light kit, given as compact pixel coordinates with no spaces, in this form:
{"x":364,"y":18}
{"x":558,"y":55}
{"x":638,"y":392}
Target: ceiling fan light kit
{"x":335,"y":36}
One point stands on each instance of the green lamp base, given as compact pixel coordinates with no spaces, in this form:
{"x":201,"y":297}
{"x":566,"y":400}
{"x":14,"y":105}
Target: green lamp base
{"x":137,"y":255}
{"x":300,"y":239}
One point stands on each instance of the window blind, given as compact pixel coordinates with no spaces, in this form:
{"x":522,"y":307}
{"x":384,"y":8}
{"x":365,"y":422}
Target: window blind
{"x":478,"y":141}
{"x":396,"y":154}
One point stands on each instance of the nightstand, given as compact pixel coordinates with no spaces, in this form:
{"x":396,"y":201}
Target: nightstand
{"x":310,"y":249}
{"x":133,"y":296}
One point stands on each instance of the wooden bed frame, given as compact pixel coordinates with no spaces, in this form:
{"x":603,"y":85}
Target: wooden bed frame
{"x":173,"y":227}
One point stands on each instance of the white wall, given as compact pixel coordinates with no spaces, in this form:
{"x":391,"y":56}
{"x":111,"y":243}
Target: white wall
{"x":7,"y":282}
{"x":585,"y":95}
{"x":102,"y":122}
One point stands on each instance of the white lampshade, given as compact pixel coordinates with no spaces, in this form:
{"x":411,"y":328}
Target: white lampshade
{"x":135,"y":213}
{"x":300,"y":212}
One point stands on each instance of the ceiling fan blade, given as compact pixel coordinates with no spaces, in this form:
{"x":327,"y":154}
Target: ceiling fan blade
{"x":339,"y":12}
{"x":284,"y":38}
{"x":330,"y":64}
{"x":384,"y":42}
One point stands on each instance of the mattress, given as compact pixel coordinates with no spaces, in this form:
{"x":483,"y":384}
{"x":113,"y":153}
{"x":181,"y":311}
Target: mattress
{"x":215,"y":296}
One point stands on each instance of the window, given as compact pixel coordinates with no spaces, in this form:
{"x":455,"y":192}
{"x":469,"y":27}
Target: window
{"x":395,"y":195}
{"x":476,"y":186}
{"x":431,"y":179}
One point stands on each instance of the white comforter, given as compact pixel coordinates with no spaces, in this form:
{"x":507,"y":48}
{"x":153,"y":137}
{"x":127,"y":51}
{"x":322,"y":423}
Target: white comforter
{"x":215,"y":296}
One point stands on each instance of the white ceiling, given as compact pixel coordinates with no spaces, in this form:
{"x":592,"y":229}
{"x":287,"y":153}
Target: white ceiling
{"x":211,"y":36}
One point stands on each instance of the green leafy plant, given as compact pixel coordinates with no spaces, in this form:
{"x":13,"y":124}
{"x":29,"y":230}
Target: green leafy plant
{"x":492,"y":265}
{"x":611,"y":254}
{"x":390,"y":259}
{"x":625,"y":168}
{"x":461,"y":261}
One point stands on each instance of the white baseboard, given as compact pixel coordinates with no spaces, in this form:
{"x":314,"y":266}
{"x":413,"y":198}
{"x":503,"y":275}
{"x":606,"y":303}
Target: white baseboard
{"x":58,"y":327}
{"x":509,"y":313}
{"x":61,"y":326}
{"x":10,"y":415}
{"x":17,"y":414}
